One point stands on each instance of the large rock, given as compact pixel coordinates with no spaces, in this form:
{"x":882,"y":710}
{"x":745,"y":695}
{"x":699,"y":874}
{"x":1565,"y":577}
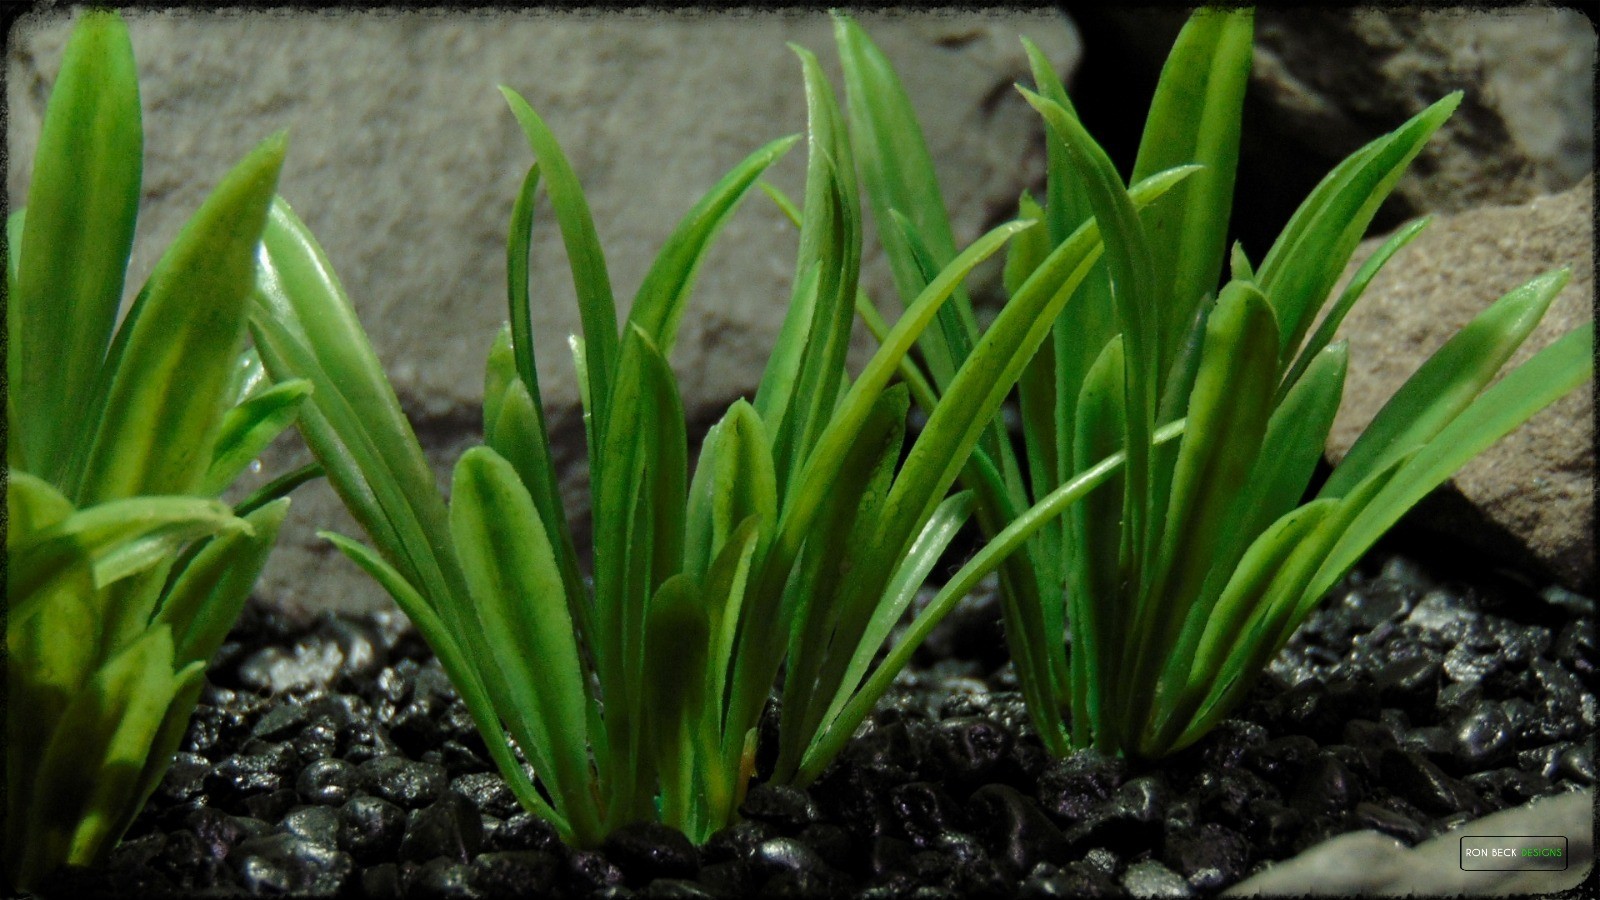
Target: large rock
{"x":1367,"y":863}
{"x":404,"y":160}
{"x":1533,"y":492}
{"x":1328,"y":80}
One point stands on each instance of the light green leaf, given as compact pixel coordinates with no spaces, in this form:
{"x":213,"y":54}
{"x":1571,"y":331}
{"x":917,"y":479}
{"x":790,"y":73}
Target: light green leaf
{"x":208,"y":593}
{"x":85,"y":197}
{"x":1228,"y":414}
{"x":1450,"y":379}
{"x":900,"y":178}
{"x":1097,"y":605}
{"x":1132,"y":268}
{"x":248,"y":428}
{"x":897,"y":596}
{"x":304,"y":327}
{"x":32,"y":505}
{"x":516,"y":590}
{"x":1527,"y":389}
{"x":733,"y":481}
{"x":676,"y":646}
{"x":97,"y":751}
{"x":1194,"y":118}
{"x":157,"y":416}
{"x":115,"y":540}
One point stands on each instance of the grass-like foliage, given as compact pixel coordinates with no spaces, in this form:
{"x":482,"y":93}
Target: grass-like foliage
{"x":123,"y":570}
{"x":795,"y":546}
{"x":1183,"y":575}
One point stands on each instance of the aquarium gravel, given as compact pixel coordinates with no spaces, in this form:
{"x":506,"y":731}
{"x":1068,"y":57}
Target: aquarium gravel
{"x":332,"y":757}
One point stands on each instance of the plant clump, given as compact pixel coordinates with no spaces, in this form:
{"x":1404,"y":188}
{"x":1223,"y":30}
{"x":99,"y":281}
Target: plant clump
{"x":123,"y":569}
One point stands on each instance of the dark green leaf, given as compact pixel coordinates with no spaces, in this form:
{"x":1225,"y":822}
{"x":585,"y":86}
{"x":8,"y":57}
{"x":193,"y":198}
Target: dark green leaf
{"x":1194,"y":118}
{"x":1311,"y":253}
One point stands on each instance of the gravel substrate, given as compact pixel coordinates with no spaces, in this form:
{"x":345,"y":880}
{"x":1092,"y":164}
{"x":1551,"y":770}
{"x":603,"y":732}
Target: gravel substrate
{"x":333,"y":758}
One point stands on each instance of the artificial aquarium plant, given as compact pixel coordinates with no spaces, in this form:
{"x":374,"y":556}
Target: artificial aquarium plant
{"x":1183,"y":576}
{"x":123,"y":569}
{"x":796,"y":545}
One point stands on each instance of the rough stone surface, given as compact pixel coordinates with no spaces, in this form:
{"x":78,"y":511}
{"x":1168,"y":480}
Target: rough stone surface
{"x":404,"y":161}
{"x":1327,"y":80}
{"x":1534,"y":489}
{"x":1369,"y":863}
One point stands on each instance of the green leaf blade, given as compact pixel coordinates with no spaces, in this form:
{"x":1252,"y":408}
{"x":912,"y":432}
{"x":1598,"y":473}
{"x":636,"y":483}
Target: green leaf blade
{"x":157,"y":423}
{"x":74,"y":247}
{"x":517,"y":592}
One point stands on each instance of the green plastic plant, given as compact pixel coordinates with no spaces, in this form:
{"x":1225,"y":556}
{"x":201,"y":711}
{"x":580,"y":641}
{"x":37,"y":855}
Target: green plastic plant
{"x":1189,"y":570}
{"x":796,"y":545}
{"x":123,"y":570}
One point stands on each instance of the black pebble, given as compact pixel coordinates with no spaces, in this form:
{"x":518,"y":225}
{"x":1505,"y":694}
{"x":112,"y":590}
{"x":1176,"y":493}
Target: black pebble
{"x":488,"y":792}
{"x":242,"y":775}
{"x":1076,"y":880}
{"x":449,"y":828}
{"x":1017,"y":834}
{"x":185,"y":778}
{"x":318,"y":740}
{"x":786,"y":809}
{"x":525,"y":831}
{"x":783,"y":855}
{"x":1482,"y":737}
{"x":285,"y":864}
{"x":514,"y":873}
{"x":441,"y":879}
{"x":648,"y":850}
{"x":924,"y":811}
{"x":1073,"y":788}
{"x":1326,"y":785}
{"x":382,"y":882}
{"x":590,"y":872}
{"x":1226,"y":798}
{"x":318,"y":824}
{"x":675,"y":889}
{"x":1132,"y":818}
{"x":371,"y":828}
{"x":1273,"y":826}
{"x":281,"y":722}
{"x":1409,"y":774}
{"x":736,"y":842}
{"x":271,"y":807}
{"x":1209,"y":857}
{"x":969,"y":749}
{"x":404,"y":782}
{"x":328,"y":781}
{"x":1374,"y":817}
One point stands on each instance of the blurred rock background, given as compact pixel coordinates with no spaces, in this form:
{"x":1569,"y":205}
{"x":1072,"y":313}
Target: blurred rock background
{"x":404,"y":161}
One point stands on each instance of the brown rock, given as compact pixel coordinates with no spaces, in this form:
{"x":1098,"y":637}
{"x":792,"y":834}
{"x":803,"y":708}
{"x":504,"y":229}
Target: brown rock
{"x":1529,"y":498}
